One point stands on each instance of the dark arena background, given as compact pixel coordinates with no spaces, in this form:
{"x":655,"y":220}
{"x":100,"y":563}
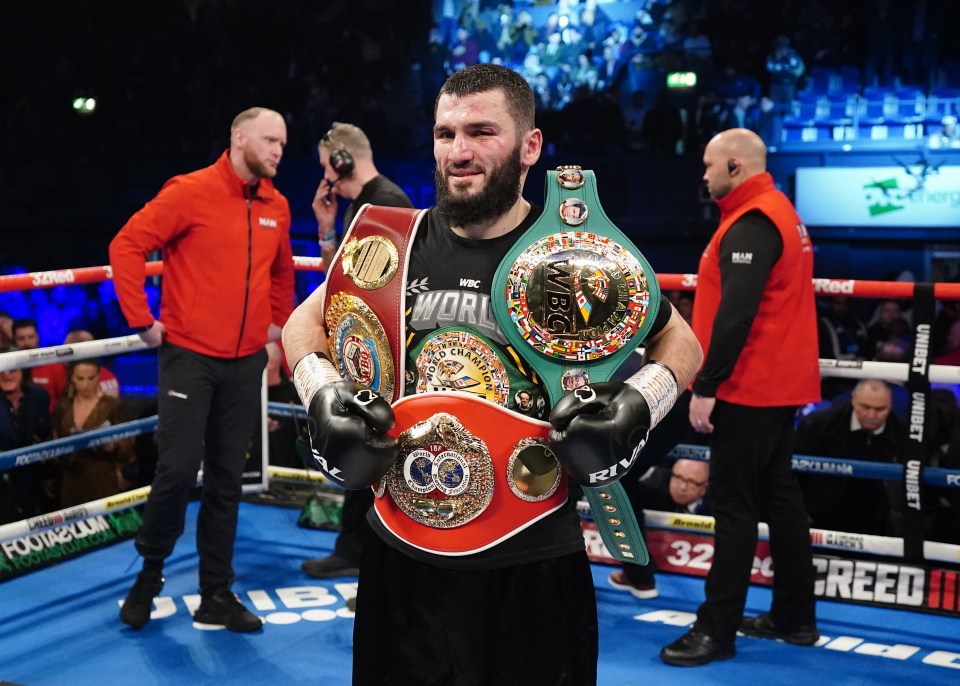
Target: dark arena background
{"x":857,"y":100}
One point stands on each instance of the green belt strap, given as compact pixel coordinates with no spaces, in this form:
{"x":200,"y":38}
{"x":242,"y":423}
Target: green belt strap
{"x":575,"y":297}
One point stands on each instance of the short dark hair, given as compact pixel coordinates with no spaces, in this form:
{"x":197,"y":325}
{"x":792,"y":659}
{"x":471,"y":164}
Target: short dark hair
{"x":23,"y":323}
{"x":480,"y":78}
{"x":73,"y":364}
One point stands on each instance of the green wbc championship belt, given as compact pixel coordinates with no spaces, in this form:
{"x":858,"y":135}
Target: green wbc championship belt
{"x":577,"y":295}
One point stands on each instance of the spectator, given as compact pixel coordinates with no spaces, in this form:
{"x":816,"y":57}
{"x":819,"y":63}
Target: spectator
{"x":769,"y":124}
{"x":948,"y":136}
{"x":862,"y":428}
{"x":633,"y":116}
{"x":952,"y":354}
{"x":109,"y":383}
{"x":95,"y":472}
{"x":446,"y":17}
{"x":742,"y":113}
{"x":680,"y":488}
{"x":593,"y":26}
{"x":947,"y":315}
{"x":50,"y":377}
{"x":662,"y":128}
{"x":890,"y":326}
{"x":24,"y":420}
{"x":545,"y":98}
{"x":843,"y":336}
{"x":553,"y":54}
{"x":611,"y":71}
{"x":524,"y":35}
{"x":6,"y":330}
{"x":785,"y":67}
{"x":464,"y":51}
{"x":697,"y":46}
{"x":585,"y":71}
{"x":683,"y":302}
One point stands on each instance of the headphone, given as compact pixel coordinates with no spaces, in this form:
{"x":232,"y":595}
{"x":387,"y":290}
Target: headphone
{"x":341,"y":161}
{"x":731,"y":167}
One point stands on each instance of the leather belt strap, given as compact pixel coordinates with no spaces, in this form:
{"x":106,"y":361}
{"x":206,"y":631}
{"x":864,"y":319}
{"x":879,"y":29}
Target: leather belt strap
{"x":364,"y":298}
{"x":576,"y":297}
{"x":470,"y":474}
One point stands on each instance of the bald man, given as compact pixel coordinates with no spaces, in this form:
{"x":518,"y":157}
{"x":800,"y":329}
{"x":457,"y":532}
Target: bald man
{"x":755,"y":318}
{"x":861,"y":428}
{"x":227,"y":290}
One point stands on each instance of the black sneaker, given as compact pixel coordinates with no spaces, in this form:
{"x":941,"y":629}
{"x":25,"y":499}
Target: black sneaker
{"x":763,"y":627}
{"x":329,"y":567}
{"x":222,"y":609}
{"x":139,"y":602}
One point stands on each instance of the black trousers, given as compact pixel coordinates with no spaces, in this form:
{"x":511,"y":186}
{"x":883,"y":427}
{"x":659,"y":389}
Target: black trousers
{"x":751,"y":481}
{"x":534,"y":624}
{"x":355,"y":531}
{"x":208,"y":410}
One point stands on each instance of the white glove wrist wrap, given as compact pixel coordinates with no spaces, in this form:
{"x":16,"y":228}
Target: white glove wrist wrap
{"x":310,"y":374}
{"x":658,"y":386}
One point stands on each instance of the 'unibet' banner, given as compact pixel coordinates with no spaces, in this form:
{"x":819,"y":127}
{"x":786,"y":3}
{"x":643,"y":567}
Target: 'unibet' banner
{"x":920,"y":195}
{"x":44,"y":548}
{"x":890,"y":583}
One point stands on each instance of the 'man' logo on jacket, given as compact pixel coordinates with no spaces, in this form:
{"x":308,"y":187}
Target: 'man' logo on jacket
{"x":267,"y":222}
{"x":742,"y":258}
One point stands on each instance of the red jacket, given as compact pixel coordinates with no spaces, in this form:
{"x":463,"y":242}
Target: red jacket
{"x":227,"y":261}
{"x":52,"y":378}
{"x":779,"y":363}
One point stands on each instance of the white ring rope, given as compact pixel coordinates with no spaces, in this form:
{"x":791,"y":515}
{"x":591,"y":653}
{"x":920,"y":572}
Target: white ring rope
{"x":18,"y":359}
{"x":122,"y":501}
{"x":891,"y":371}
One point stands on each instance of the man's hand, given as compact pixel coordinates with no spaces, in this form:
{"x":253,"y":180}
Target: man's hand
{"x":347,"y":424}
{"x":599,"y":430}
{"x":154,"y":335}
{"x":701,"y":408}
{"x":325,"y":208}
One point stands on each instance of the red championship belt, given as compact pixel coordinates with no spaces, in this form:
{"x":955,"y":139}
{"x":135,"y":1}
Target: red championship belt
{"x":363,"y":306}
{"x":470,"y":474}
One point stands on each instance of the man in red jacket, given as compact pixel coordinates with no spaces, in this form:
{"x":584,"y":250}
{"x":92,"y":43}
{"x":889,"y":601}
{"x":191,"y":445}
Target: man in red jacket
{"x":756,"y":320}
{"x":227,"y":289}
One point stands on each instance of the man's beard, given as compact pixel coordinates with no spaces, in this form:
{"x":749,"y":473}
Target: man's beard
{"x":494,"y":199}
{"x":260,"y":170}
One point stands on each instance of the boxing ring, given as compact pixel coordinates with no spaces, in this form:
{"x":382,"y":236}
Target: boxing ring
{"x":888,"y":610}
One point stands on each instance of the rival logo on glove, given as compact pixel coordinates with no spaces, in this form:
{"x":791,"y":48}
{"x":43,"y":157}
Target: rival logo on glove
{"x":332,"y":472}
{"x":611,"y":472}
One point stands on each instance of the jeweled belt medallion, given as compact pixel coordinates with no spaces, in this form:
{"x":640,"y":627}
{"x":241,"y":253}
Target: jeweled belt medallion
{"x":444,"y":476}
{"x":577,"y":296}
{"x":358,"y":344}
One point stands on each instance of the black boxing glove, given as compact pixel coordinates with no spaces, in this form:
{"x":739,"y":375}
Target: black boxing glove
{"x":347,"y":424}
{"x":599,"y":429}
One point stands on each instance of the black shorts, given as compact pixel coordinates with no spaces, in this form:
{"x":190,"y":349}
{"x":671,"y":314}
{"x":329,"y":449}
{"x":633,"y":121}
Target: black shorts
{"x":422,"y":625}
